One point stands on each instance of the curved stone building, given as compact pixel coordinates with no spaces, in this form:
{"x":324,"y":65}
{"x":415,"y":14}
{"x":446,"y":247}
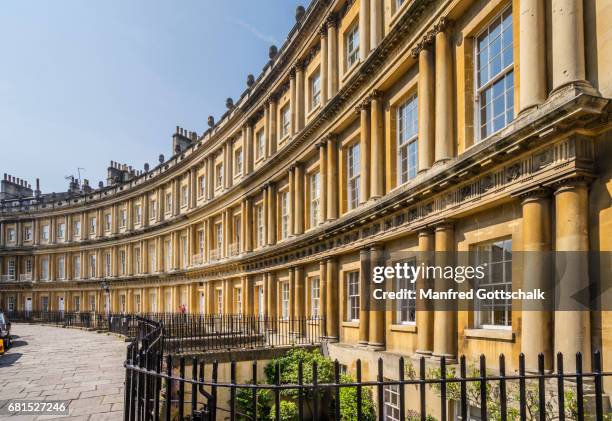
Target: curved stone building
{"x":380,"y":128}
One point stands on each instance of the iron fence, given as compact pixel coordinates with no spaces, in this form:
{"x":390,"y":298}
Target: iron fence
{"x":193,"y":333}
{"x":167,"y":388}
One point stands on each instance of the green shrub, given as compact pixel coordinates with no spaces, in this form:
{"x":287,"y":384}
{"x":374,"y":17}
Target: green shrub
{"x":348,"y":402}
{"x":288,"y":411}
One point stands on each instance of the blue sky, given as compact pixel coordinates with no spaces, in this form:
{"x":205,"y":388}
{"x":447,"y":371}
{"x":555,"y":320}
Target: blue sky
{"x":86,"y":82}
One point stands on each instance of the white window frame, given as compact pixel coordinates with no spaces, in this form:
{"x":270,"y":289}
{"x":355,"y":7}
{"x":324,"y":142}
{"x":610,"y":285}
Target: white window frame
{"x":285,"y":120}
{"x":285,"y":294}
{"x":352,"y":296}
{"x":353,"y":175}
{"x":502,"y":74}
{"x":315,"y":297}
{"x":108,"y":264}
{"x":92,"y":266}
{"x":238,"y":161}
{"x":284,"y":215}
{"x":184,"y":195}
{"x":45,"y":232}
{"x":315,"y":90}
{"x":352,"y":46}
{"x":122,"y":262}
{"x":259,"y":213}
{"x":405,"y":309}
{"x":391,"y":407}
{"x":407,"y":145}
{"x":61,"y":267}
{"x":482,"y":255}
{"x":315,"y":199}
{"x":260,"y":145}
{"x":77,"y":267}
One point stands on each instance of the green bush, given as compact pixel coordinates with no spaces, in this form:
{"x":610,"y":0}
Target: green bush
{"x":244,"y":404}
{"x":288,"y":411}
{"x":348,"y":402}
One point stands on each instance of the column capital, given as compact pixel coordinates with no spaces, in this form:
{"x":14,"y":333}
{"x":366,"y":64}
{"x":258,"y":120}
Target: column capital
{"x":323,"y":30}
{"x":292,"y":72}
{"x":424,"y":44}
{"x":533,"y":193}
{"x":332,"y":20}
{"x":376,"y":95}
{"x":443,"y":224}
{"x":330,"y":137}
{"x":571,"y":182}
{"x":320,"y":144}
{"x":425,"y":232}
{"x":442,"y":25}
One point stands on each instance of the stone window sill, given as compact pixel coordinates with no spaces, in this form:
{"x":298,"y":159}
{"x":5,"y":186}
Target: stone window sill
{"x":411,"y":328}
{"x":491,"y":334}
{"x":351,"y":324}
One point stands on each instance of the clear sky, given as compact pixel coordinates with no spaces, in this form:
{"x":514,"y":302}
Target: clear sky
{"x":86,"y":82}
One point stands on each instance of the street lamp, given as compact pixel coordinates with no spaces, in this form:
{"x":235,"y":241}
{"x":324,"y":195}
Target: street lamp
{"x":104,"y":285}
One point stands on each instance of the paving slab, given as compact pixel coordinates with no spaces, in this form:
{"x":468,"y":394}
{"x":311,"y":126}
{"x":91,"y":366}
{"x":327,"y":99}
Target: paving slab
{"x":52,"y":363}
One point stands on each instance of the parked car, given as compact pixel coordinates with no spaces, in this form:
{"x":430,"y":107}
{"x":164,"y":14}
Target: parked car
{"x":5,"y":333}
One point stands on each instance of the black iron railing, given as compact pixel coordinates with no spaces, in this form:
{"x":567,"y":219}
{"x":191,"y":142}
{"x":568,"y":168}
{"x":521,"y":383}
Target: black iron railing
{"x":193,"y":333}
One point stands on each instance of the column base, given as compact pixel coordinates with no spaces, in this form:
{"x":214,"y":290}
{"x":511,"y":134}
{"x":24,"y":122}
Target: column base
{"x":376,"y":346}
{"x":450,"y":359}
{"x":362,"y":343}
{"x":423,"y":353}
{"x":331,"y":339}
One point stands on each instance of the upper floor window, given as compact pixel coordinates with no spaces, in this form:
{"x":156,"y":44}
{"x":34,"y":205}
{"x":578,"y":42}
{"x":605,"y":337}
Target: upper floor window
{"x":28,"y":266}
{"x":138,"y":214}
{"x":92,"y":266}
{"x":284,"y":215}
{"x":315,"y":297}
{"x":407,"y":132}
{"x":123,"y":218}
{"x":405,"y":309}
{"x":77,"y":228}
{"x":168,"y":202}
{"x":93,"y":224}
{"x":352,"y":296}
{"x":61,"y":267}
{"x":352,"y":46}
{"x":201,"y":242}
{"x":107,"y":264}
{"x":137,"y":260}
{"x":61,"y":230}
{"x":353,"y":176}
{"x":315,"y":198}
{"x":285,"y":300}
{"x":184,"y":195}
{"x":202,"y":186}
{"x":219,"y":175}
{"x":168,"y":255}
{"x":77,"y":267}
{"x":152,"y":259}
{"x":260,"y":146}
{"x":238,"y":161}
{"x":44,"y":269}
{"x":153,"y":209}
{"x":28,"y":233}
{"x":495,"y":75}
{"x":122,"y":262}
{"x":219,"y":238}
{"x":285,"y":120}
{"x":11,"y":269}
{"x":11,"y":234}
{"x":107,"y":221}
{"x":45,"y":232}
{"x":238,"y":300}
{"x":315,"y":90}
{"x":260,"y":225}
{"x":496,"y":258}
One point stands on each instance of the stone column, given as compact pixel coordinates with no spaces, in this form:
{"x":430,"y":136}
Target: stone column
{"x":444,"y":144}
{"x":332,"y":178}
{"x":248,"y":225}
{"x":532,"y":24}
{"x":248,"y":162}
{"x":332,"y":313}
{"x":377,"y":145}
{"x":272,"y":214}
{"x":568,"y":60}
{"x":300,"y":296}
{"x":299,"y":97}
{"x":323,"y":292}
{"x":271,"y":295}
{"x":332,"y":60}
{"x":323,"y":173}
{"x":426,"y":105}
{"x":364,"y":289}
{"x":272,"y":136}
{"x":364,"y":152}
{"x":572,"y":328}
{"x":299,"y":198}
{"x":324,"y":66}
{"x":265,"y":213}
{"x":364,"y":23}
{"x":445,"y":321}
{"x":536,"y":325}
{"x":292,"y":298}
{"x":293,"y":101}
{"x":244,"y":150}
{"x":291,"y":227}
{"x":376,"y":23}
{"x":376,"y":307}
{"x":424,"y":316}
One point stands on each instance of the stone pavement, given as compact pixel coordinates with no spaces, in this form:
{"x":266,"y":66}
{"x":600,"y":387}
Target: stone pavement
{"x":52,"y":363}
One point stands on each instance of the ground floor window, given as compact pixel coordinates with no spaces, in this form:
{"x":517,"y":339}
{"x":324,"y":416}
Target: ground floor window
{"x":285,"y":300}
{"x":352,"y":296}
{"x":405,"y":310}
{"x":44,"y":303}
{"x":392,"y":402}
{"x":77,"y":303}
